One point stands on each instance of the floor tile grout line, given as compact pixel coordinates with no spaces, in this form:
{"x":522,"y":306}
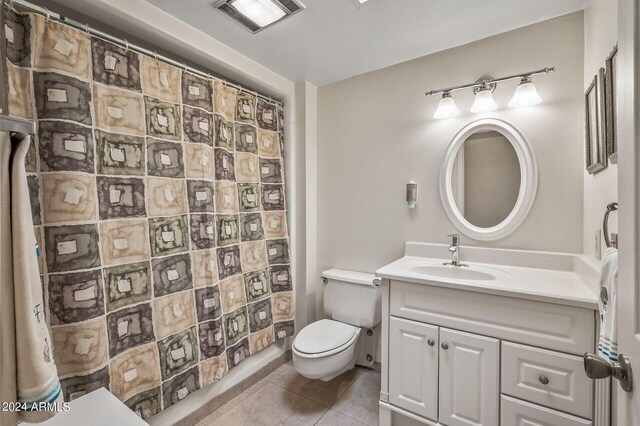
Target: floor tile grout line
{"x":358,"y":375}
{"x":270,"y":374}
{"x":308,"y":399}
{"x":322,"y":417}
{"x":323,"y":405}
{"x":346,"y":415}
{"x":352,"y":418}
{"x":231,"y":400}
{"x":317,"y":402}
{"x":345,"y":392}
{"x":254,"y":391}
{"x":301,"y":395}
{"x":327,"y":408}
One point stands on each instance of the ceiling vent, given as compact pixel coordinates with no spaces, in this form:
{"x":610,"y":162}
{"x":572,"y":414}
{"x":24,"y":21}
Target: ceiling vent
{"x":256,"y":15}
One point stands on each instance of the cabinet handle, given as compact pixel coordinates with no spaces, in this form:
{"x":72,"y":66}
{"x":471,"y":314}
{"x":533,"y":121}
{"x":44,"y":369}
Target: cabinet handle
{"x":444,"y":346}
{"x":431,"y":342}
{"x":544,"y":380}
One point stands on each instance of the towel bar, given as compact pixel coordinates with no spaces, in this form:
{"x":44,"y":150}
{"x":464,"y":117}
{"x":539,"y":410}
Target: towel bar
{"x":611,"y":207}
{"x":15,"y":124}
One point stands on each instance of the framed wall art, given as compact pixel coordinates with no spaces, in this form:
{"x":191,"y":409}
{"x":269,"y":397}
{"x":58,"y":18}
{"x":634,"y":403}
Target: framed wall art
{"x":595,"y":125}
{"x":611,"y":76}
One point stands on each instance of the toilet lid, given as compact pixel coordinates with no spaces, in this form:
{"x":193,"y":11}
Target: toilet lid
{"x":323,"y":336}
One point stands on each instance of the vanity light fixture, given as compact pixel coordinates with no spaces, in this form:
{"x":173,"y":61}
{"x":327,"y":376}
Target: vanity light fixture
{"x":447,"y":107}
{"x":256,"y":15}
{"x":525,"y":94}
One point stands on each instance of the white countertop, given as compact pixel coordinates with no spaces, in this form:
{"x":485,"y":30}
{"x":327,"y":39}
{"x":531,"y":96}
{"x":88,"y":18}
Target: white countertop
{"x":563,"y":285}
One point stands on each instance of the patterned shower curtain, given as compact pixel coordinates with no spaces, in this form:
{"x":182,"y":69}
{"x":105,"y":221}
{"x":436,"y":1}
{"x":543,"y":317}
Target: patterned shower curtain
{"x":159,"y":203}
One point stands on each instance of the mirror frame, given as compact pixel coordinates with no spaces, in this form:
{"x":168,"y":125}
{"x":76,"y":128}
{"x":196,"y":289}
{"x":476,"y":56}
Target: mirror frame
{"x":528,"y":180}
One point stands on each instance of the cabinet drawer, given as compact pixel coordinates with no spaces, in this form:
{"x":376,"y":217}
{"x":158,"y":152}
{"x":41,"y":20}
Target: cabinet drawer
{"x":545,"y":377}
{"x":563,"y":328}
{"x":520,"y":413}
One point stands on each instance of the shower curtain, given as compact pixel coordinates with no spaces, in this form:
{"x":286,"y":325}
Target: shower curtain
{"x":28,"y":374}
{"x":159,"y":200}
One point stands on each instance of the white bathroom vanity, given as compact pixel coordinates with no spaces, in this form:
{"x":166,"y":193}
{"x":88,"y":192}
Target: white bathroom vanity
{"x":497,"y":342}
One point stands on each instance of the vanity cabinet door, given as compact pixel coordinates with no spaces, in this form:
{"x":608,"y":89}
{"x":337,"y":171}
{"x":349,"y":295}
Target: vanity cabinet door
{"x":469,"y":377}
{"x":413,"y":367}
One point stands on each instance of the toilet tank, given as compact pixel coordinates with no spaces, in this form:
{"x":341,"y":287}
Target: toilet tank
{"x":352,"y":297}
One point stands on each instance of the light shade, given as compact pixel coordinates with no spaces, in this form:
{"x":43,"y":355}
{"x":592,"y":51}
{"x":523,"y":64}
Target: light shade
{"x":447,"y":107}
{"x":484,"y":101}
{"x":525,"y":95}
{"x":261,"y":12}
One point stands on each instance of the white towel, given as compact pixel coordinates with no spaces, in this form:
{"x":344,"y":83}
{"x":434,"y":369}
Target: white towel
{"x":8,"y":389}
{"x":608,"y":342}
{"x":33,"y":378}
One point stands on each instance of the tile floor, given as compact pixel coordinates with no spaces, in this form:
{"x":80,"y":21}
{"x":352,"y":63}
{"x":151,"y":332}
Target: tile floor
{"x":286,"y":398}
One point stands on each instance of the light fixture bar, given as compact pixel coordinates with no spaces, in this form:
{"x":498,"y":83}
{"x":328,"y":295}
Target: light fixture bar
{"x":492,"y":81}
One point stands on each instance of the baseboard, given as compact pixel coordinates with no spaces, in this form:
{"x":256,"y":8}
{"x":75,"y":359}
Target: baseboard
{"x":221,"y":399}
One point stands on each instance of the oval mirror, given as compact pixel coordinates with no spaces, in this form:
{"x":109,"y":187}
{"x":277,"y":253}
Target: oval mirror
{"x":488,"y":179}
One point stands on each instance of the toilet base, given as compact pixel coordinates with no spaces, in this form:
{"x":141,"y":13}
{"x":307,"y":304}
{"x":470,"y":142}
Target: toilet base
{"x":326,"y":368}
{"x":344,"y":370}
{"x":362,"y":353}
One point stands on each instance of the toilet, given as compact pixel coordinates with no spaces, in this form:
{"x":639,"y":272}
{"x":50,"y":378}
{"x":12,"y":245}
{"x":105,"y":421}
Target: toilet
{"x":329,"y":347}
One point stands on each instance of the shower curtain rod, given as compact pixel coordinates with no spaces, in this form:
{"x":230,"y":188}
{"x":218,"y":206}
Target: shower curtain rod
{"x":130,"y":46}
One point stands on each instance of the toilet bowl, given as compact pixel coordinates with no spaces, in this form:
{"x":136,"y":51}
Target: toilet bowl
{"x":326,"y":349}
{"x":329,"y":347}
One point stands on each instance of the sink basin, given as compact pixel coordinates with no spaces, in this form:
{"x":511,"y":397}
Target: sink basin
{"x":456,"y":272}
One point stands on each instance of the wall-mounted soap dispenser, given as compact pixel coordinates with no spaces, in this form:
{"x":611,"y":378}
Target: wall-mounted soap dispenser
{"x":412,"y":194}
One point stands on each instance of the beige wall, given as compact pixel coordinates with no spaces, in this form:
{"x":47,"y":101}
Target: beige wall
{"x":375,"y":133}
{"x":600,"y":35}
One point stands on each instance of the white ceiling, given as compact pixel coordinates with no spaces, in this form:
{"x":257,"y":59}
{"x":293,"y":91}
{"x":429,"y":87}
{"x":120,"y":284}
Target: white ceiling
{"x":333,"y":39}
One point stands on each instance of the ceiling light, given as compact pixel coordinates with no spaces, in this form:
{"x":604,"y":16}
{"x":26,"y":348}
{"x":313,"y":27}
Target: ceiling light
{"x":484,"y":100}
{"x":525,"y":95}
{"x":255,"y":15}
{"x":262,"y":12}
{"x":447,"y":107}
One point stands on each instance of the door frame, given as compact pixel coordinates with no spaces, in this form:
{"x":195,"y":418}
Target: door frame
{"x":627,"y":405}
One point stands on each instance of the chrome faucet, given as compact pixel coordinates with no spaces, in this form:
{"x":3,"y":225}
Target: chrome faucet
{"x":454,"y":249}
